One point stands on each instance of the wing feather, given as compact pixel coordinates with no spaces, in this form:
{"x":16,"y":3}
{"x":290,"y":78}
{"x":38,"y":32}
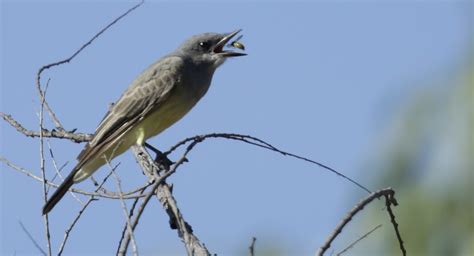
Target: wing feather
{"x":145,"y":94}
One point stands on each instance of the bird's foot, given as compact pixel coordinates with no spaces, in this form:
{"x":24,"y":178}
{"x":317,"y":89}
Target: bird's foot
{"x":160,"y":158}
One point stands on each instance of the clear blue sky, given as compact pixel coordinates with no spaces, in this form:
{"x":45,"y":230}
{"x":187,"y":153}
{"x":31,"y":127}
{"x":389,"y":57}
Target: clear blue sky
{"x":321,"y":79}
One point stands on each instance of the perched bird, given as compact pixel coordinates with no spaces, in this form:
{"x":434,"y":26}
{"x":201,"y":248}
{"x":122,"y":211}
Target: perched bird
{"x":156,"y":99}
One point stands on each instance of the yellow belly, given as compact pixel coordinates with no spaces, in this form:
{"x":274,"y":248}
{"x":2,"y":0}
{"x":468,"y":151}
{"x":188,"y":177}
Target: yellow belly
{"x":170,"y":111}
{"x":167,"y":114}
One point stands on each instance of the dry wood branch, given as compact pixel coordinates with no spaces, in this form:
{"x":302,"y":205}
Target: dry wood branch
{"x":126,"y":226}
{"x":75,"y":137}
{"x":53,"y":117}
{"x":389,"y":201}
{"x":252,"y":247}
{"x":262,"y":144}
{"x":164,"y":194}
{"x":387,"y":193}
{"x":46,"y":67}
{"x":43,"y":171}
{"x":127,"y":215}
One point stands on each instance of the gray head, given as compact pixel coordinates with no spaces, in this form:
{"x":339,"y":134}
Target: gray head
{"x":208,"y":48}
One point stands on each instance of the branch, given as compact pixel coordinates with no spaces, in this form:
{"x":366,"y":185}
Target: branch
{"x":133,"y":194}
{"x":128,"y":223}
{"x":43,"y":172}
{"x":389,"y":201}
{"x":126,"y":226}
{"x":252,"y":247}
{"x":359,"y":239}
{"x":43,"y":68}
{"x":164,"y":194}
{"x":53,"y":117}
{"x":32,"y":238}
{"x":387,"y":193}
{"x":262,"y":144}
{"x":76,"y":137}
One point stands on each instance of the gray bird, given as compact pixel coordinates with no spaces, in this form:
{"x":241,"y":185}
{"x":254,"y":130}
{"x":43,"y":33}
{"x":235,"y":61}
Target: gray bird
{"x":155,"y":100}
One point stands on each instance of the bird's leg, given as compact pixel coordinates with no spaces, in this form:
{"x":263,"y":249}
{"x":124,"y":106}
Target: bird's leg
{"x":160,"y":158}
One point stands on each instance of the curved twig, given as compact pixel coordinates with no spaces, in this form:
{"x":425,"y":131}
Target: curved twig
{"x":388,"y":193}
{"x":263,"y":144}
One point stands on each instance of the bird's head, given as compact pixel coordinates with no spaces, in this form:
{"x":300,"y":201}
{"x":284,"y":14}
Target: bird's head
{"x":208,"y":48}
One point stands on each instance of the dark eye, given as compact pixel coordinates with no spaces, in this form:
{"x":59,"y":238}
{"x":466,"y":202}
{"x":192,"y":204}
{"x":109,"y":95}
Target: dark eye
{"x":205,"y":45}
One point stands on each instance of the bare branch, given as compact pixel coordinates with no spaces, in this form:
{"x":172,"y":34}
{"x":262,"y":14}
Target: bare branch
{"x":163,"y":192}
{"x":359,"y":239}
{"x":75,"y":137}
{"x":53,"y":117}
{"x":134,"y":194}
{"x":43,"y":172}
{"x":252,"y":247}
{"x":389,"y":201}
{"x":38,"y":78}
{"x":262,"y":144}
{"x":125,"y":228}
{"x":43,"y":68}
{"x":32,"y":239}
{"x":387,"y":192}
{"x":22,"y":170}
{"x":126,"y":212}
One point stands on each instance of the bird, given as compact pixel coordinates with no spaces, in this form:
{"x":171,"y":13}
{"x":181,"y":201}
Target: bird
{"x":160,"y":96}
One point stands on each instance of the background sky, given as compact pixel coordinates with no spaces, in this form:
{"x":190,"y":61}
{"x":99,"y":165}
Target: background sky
{"x":321,"y":79}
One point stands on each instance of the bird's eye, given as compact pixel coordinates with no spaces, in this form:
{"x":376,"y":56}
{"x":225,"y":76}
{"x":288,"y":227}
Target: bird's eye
{"x":205,"y":45}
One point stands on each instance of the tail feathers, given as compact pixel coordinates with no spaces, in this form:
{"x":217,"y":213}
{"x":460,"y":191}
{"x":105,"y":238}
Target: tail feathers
{"x":59,"y":193}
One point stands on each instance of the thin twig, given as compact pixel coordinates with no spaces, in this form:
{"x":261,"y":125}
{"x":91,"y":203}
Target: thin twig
{"x":263,"y":144}
{"x":125,"y":211}
{"x":359,"y":239}
{"x":75,"y":137}
{"x":32,"y":239}
{"x":43,"y":171}
{"x":43,"y":68}
{"x":73,"y":223}
{"x":252,"y":247}
{"x":53,"y":117}
{"x":125,"y":228}
{"x":357,"y":208}
{"x":24,"y":171}
{"x":133,"y":194}
{"x":389,"y":201}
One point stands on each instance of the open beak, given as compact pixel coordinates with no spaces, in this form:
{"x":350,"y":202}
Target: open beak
{"x":219,"y":47}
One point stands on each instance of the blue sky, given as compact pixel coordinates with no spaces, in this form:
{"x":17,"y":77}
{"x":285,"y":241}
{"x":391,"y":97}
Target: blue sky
{"x":321,"y":79}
